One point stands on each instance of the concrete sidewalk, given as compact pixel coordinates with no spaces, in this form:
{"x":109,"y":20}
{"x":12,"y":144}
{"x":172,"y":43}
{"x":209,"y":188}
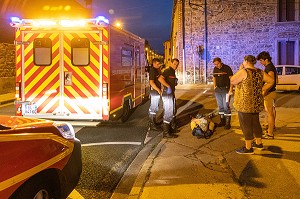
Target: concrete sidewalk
{"x":191,"y":168}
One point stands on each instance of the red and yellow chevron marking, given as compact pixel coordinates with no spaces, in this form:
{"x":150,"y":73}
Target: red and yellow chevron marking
{"x":82,"y":97}
{"x":18,"y":57}
{"x":105,"y":50}
{"x":42,"y":82}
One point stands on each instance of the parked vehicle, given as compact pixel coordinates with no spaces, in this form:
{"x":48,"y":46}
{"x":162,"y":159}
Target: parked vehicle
{"x":38,"y":159}
{"x":288,"y":77}
{"x":83,"y":69}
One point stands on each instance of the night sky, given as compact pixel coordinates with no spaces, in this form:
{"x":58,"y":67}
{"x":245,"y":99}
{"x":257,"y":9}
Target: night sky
{"x":149,"y":19}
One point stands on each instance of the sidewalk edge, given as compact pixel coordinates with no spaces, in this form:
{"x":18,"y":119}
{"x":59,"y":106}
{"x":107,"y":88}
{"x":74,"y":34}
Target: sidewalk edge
{"x":132,"y":176}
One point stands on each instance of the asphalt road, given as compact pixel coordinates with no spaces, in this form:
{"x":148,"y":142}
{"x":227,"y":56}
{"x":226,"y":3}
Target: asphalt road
{"x":108,"y":150}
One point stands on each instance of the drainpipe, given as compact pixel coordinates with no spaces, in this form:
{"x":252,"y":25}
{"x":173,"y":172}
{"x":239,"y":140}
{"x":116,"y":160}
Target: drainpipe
{"x":205,"y":41}
{"x":183,"y":41}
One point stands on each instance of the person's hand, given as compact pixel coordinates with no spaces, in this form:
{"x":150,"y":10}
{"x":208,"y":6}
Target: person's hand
{"x":159,"y":92}
{"x":169,"y":91}
{"x":242,"y":66}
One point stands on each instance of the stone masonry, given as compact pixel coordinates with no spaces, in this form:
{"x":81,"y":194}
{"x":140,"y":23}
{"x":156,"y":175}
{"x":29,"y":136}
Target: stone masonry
{"x":7,"y":68}
{"x":235,"y":29}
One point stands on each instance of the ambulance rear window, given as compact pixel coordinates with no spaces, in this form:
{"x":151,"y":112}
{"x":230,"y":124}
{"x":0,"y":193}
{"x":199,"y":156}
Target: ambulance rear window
{"x":80,"y":51}
{"x":42,"y":51}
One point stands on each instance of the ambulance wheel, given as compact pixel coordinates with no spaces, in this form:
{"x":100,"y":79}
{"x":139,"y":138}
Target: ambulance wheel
{"x":126,"y":112}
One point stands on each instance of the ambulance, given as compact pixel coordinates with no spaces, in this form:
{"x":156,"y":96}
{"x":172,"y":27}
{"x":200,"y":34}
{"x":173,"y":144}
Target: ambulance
{"x":83,"y":69}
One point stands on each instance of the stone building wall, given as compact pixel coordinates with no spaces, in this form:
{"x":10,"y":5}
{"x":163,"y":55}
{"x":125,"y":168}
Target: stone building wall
{"x":7,"y":68}
{"x":235,"y":29}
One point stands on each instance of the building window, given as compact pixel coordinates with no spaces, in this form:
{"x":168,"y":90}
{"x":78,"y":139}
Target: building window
{"x":42,"y":51}
{"x":286,"y":52}
{"x":286,"y":10}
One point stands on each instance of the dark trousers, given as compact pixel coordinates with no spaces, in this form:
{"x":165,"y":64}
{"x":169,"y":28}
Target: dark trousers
{"x":250,"y":125}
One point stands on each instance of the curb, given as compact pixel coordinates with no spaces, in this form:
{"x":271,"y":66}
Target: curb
{"x":132,"y":183}
{"x":132,"y":175}
{"x":7,"y":102}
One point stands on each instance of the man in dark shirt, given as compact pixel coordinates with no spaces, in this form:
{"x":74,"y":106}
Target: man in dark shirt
{"x":155,"y":93}
{"x":223,"y":89}
{"x":270,"y":95}
{"x":169,"y":81}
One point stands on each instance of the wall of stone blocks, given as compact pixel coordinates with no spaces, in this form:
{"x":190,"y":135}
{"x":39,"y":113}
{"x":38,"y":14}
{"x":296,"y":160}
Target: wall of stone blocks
{"x":235,"y":29}
{"x":7,"y":68}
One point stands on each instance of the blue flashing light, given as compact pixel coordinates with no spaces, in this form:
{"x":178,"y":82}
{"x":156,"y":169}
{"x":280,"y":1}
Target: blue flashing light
{"x":102,"y":19}
{"x":16,"y":20}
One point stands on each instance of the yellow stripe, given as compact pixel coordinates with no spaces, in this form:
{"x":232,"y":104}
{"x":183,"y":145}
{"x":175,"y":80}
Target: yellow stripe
{"x":105,"y":72}
{"x":105,"y":47}
{"x":18,"y":33}
{"x":83,"y":76}
{"x":105,"y":59}
{"x":28,"y":49}
{"x":105,"y":33}
{"x":37,"y":78}
{"x":75,"y":195}
{"x":33,"y":136}
{"x":115,"y":110}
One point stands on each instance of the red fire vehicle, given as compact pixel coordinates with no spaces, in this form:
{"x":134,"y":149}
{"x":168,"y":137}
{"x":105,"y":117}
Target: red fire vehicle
{"x":78,"y":69}
{"x":38,"y":159}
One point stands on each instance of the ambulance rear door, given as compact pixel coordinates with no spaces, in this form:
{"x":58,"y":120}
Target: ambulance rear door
{"x":61,"y":74}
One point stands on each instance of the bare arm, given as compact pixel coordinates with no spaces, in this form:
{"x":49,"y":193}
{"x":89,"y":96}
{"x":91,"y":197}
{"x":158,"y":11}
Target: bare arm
{"x":153,"y":85}
{"x":238,"y":77}
{"x":162,"y":80}
{"x":269,"y":81}
{"x":214,"y":80}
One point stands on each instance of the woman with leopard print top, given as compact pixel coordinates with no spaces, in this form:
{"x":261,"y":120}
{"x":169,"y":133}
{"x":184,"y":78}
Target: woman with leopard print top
{"x":251,"y":84}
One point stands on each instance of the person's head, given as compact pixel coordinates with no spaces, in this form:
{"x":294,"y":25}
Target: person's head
{"x":156,"y":63}
{"x":174,"y":63}
{"x":249,"y":60}
{"x":217,"y":62}
{"x":264,"y":58}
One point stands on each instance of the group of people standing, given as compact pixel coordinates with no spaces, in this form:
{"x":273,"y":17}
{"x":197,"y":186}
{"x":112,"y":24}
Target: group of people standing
{"x":254,"y":92}
{"x":166,"y":78}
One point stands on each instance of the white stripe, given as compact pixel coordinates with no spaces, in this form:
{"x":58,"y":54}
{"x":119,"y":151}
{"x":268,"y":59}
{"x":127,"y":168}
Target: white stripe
{"x":112,"y":143}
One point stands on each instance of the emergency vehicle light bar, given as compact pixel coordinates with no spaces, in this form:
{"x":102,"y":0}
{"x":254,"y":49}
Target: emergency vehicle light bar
{"x":98,"y":21}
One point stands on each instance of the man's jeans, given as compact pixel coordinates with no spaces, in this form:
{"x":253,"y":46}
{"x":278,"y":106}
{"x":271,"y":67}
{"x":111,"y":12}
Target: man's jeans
{"x":224,"y":108}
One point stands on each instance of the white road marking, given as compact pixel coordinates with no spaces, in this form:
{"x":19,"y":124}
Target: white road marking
{"x":112,"y":143}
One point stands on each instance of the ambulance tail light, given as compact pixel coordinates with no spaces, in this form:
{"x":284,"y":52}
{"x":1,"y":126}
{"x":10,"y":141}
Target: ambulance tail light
{"x":18,"y":90}
{"x":105,"y":103}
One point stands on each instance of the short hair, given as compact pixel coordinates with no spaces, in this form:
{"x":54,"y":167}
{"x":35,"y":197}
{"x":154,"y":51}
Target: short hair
{"x":175,"y":59}
{"x":264,"y":55}
{"x":154,"y":60}
{"x":217,"y":59}
{"x":250,"y":58}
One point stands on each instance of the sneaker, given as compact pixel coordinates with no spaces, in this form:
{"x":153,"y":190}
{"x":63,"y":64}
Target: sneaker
{"x":257,"y":146}
{"x":244,"y":150}
{"x":267,"y":136}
